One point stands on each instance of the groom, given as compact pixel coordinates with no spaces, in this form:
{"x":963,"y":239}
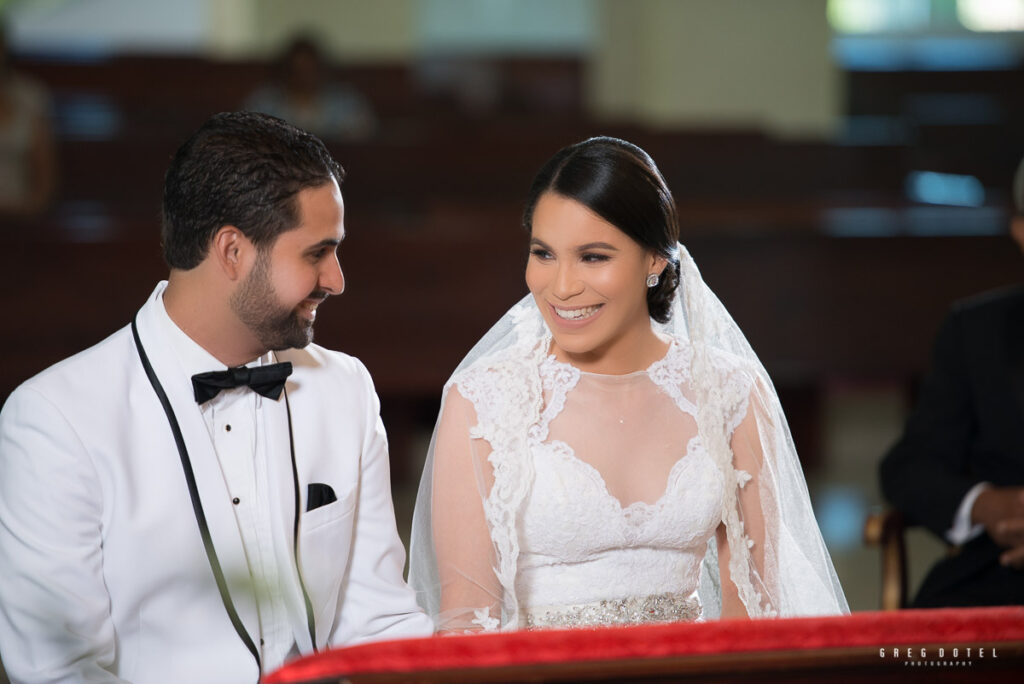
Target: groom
{"x":205,"y":494}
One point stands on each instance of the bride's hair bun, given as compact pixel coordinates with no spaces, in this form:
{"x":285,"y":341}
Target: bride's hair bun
{"x":619,"y":182}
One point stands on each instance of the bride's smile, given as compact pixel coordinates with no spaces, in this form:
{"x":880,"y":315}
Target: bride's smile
{"x":589,"y":281}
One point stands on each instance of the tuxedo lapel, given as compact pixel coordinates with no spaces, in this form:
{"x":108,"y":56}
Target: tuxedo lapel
{"x":1015,"y":351}
{"x":212,"y":489}
{"x":282,"y":479}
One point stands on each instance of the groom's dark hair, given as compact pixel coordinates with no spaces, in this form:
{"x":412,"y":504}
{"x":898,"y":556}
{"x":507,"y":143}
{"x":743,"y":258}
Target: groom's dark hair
{"x":241,"y":169}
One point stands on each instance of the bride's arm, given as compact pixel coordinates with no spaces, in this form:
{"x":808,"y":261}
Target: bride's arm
{"x":748,"y":458}
{"x":732,"y":606}
{"x":470,"y":594}
{"x":785,"y":568}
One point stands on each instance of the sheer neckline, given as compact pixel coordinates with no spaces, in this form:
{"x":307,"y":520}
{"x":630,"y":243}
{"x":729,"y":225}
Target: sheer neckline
{"x":636,"y":511}
{"x":673,"y":346}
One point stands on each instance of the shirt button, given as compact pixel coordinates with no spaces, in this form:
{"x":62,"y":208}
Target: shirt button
{"x":236,"y":501}
{"x":228,"y":428}
{"x":261,"y":641}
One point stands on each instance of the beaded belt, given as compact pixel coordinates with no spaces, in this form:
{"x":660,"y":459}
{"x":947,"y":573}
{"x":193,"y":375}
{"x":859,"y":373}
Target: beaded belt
{"x":635,"y":610}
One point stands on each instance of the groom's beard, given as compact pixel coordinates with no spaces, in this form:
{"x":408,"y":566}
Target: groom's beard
{"x":257,"y":305}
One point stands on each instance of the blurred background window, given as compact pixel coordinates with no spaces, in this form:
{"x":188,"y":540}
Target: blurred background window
{"x":927,"y":34}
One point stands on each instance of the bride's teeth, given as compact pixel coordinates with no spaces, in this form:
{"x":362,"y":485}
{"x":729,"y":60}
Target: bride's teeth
{"x":576,"y":314}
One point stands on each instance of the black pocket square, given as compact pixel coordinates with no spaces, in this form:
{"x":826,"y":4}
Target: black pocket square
{"x":319,"y":494}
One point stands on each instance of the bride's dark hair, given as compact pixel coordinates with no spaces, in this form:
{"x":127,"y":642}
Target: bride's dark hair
{"x":619,"y":182}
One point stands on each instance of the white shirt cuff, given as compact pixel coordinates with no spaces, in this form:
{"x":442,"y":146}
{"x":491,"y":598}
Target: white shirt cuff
{"x":962,"y":530}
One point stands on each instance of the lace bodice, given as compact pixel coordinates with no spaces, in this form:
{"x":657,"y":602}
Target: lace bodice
{"x":552,"y":496}
{"x":579,"y":543}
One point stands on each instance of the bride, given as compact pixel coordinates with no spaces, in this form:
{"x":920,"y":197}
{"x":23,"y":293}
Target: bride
{"x":612,"y":451}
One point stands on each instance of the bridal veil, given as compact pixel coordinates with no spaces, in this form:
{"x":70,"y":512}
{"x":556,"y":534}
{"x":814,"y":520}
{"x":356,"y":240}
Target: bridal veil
{"x":478,"y":474}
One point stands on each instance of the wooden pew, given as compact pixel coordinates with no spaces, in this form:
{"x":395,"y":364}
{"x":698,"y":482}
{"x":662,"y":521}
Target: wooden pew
{"x":813,"y":306}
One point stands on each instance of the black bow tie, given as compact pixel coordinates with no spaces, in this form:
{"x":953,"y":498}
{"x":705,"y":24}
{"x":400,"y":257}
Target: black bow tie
{"x":267,"y":380}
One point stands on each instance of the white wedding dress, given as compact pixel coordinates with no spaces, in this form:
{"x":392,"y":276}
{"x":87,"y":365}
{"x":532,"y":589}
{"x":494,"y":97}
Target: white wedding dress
{"x":627,"y":548}
{"x":554,"y":497}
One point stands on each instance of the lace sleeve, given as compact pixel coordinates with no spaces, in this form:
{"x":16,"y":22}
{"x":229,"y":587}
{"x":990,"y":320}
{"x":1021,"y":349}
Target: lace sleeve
{"x":465,"y":547}
{"x":470,"y":593}
{"x":769,"y":545}
{"x":743,"y":560}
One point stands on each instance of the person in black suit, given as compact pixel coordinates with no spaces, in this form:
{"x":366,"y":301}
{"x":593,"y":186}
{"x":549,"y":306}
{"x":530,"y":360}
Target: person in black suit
{"x":959,"y":467}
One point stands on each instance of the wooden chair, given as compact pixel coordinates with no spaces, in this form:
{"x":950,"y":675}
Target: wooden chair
{"x":885,"y":530}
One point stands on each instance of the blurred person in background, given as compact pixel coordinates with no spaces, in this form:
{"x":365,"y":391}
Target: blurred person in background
{"x":27,"y":164}
{"x":305,"y":96}
{"x":959,"y":467}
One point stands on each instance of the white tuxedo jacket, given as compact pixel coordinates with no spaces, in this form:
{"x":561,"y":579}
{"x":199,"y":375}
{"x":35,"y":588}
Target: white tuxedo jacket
{"x":103,"y":573}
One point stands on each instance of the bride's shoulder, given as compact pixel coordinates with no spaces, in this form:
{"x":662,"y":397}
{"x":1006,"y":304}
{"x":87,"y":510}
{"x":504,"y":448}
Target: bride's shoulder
{"x":498,"y":382}
{"x":685,"y":361}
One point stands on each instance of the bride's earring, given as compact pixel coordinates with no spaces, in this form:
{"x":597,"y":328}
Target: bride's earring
{"x":652,"y":280}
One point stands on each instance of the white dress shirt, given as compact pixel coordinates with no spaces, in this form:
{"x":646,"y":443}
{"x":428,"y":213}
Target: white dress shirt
{"x":962,"y":530}
{"x":235,"y":423}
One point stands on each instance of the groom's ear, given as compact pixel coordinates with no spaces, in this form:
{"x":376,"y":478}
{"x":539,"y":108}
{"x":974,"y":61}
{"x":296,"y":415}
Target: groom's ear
{"x":232,"y":251}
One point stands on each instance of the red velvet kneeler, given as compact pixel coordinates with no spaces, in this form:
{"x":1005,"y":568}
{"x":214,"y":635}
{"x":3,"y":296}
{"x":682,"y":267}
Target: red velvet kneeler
{"x":887,"y":635}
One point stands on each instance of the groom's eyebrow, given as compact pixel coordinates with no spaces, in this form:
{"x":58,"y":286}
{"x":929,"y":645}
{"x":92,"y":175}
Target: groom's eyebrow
{"x":329,"y":242}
